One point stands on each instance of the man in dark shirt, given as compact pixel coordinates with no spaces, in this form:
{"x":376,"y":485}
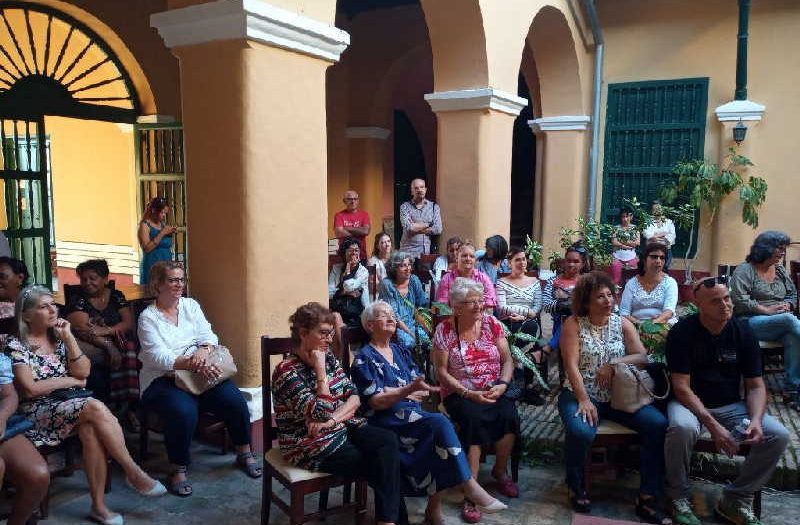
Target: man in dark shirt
{"x":708,"y":355}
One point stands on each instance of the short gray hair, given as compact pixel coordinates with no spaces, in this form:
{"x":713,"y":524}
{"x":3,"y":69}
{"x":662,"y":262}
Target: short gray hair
{"x":370,"y":313}
{"x":28,"y":299}
{"x":394,"y":262}
{"x":461,"y":288}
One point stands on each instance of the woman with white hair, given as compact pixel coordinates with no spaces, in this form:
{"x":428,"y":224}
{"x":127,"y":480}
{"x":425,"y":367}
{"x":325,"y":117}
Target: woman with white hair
{"x":474,"y":366}
{"x":392,"y":387}
{"x":49,"y":370}
{"x":404,"y":293}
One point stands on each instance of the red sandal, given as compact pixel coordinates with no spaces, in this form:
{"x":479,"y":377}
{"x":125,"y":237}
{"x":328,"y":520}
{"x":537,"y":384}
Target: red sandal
{"x":469,"y":512}
{"x":507,"y":487}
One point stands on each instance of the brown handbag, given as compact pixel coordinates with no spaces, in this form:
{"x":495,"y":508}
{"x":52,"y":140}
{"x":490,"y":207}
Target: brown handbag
{"x":632,"y":388}
{"x":196,"y":383}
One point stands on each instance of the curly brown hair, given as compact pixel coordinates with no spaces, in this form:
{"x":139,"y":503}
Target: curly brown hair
{"x":309,"y":316}
{"x":587,"y":285}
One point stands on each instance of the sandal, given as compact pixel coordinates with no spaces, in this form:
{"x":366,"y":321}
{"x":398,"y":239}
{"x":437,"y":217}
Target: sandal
{"x":579,"y":501}
{"x":251,"y":468}
{"x":469,"y":512}
{"x":506,"y":486}
{"x":181,"y":488}
{"x":647,"y":510}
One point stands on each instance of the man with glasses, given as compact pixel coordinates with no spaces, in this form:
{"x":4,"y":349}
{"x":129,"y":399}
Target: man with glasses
{"x":709,"y":354}
{"x":352,"y":222}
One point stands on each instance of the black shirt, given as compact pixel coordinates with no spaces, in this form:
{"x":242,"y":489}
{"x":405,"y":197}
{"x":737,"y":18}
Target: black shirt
{"x":716,"y":363}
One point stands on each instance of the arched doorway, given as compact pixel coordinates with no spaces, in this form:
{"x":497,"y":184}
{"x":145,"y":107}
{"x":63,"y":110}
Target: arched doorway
{"x":523,"y":155}
{"x":409,"y":164}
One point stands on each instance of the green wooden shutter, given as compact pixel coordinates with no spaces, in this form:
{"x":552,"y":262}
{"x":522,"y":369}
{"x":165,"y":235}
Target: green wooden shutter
{"x":649,"y":127}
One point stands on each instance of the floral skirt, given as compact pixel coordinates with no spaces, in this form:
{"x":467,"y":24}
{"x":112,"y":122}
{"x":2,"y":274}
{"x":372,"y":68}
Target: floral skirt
{"x":53,"y":420}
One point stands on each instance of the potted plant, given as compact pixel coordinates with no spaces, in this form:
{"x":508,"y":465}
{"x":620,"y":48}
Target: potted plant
{"x":703,"y":186}
{"x":595,"y":236}
{"x":533,"y":251}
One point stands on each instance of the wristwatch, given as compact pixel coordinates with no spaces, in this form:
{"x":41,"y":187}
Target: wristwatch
{"x":501,"y":382}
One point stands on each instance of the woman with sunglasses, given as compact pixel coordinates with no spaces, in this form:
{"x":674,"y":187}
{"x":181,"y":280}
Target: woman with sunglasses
{"x":763,"y":292}
{"x":155,"y":236}
{"x":175,"y":335}
{"x":315,"y":410}
{"x":652,"y":294}
{"x":475,"y":367}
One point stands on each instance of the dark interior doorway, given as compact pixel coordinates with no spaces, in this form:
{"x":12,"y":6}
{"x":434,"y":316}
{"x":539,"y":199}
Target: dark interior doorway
{"x":523,"y":162}
{"x":409,"y":164}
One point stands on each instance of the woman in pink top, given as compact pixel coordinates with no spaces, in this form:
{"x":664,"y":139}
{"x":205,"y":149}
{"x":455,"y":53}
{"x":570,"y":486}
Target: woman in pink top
{"x":465,"y":267}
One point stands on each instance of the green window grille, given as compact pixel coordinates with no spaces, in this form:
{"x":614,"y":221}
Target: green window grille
{"x":649,"y":127}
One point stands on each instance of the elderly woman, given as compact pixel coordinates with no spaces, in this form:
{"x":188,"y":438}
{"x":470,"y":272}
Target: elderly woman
{"x":103,"y":323}
{"x":557,"y":294}
{"x":404,"y":292}
{"x":315,"y":410}
{"x":19,"y":460}
{"x":175,"y":335}
{"x":465,"y":268}
{"x":381,"y":250}
{"x":763,"y":292}
{"x":652,"y":294}
{"x":48,"y":361}
{"x":13,"y":276}
{"x":625,"y":242}
{"x":348,"y":288}
{"x":593,"y":340}
{"x":155,"y":236}
{"x":474,"y":366}
{"x":392,"y":388}
{"x":494,"y":260}
{"x":447,"y":262}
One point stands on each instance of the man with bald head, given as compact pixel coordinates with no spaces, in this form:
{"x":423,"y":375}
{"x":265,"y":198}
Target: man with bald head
{"x":709,"y":355}
{"x":421,"y":220}
{"x":352,"y":222}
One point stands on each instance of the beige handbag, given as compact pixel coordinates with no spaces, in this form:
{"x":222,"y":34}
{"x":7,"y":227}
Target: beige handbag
{"x":196,"y":384}
{"x":632,"y":388}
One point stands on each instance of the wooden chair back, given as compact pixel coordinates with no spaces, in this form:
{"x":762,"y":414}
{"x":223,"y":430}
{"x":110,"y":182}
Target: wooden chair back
{"x":627,"y":275}
{"x":351,"y":339}
{"x":372,"y":282}
{"x":270,"y":346}
{"x":725,"y":269}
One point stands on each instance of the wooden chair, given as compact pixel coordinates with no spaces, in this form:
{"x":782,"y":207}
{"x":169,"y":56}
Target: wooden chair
{"x":725,"y":269}
{"x":627,"y":275}
{"x":299,"y":482}
{"x":372,"y":282}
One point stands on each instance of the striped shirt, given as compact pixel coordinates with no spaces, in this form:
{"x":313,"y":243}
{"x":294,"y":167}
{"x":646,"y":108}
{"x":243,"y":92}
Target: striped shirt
{"x":296,"y":402}
{"x":513,"y":300}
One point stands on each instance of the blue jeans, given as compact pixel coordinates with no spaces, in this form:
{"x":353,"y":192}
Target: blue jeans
{"x":786,"y":329}
{"x":179,"y":411}
{"x":648,"y":421}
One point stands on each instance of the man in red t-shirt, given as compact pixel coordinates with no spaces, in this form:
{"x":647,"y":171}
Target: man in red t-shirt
{"x":352,"y":222}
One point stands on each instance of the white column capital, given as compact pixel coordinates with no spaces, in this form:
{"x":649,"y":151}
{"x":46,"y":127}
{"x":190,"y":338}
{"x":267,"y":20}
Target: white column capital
{"x":367,"y":132}
{"x":470,"y":99}
{"x":560,"y":123}
{"x":254,"y":20}
{"x":736,"y":110}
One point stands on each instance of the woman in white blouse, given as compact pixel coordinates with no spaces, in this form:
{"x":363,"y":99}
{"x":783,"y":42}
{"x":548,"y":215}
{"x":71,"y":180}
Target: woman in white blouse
{"x":175,"y":335}
{"x":652,"y":294}
{"x":661,"y":230}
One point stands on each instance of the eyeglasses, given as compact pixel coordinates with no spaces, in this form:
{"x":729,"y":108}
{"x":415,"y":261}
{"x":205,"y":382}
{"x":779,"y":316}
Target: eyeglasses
{"x":711,"y":282}
{"x":471,"y":304}
{"x":176,"y":280}
{"x":325,"y":334}
{"x":387,"y":318}
{"x":659,"y":257}
{"x":351,"y":198}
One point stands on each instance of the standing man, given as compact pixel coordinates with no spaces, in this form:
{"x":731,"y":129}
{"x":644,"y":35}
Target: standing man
{"x":709,"y":354}
{"x":420,"y":219}
{"x":352,"y":222}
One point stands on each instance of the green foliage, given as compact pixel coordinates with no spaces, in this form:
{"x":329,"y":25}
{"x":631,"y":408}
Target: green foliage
{"x":595,"y":236}
{"x":533,"y":251}
{"x":654,"y":339}
{"x":516,"y":340}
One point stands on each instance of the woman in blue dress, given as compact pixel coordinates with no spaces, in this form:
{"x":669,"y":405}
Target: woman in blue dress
{"x":404,"y":293}
{"x":391,"y":389}
{"x":155,"y":236}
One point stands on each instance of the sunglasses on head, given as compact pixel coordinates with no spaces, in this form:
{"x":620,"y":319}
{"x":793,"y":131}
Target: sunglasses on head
{"x":578,"y":249}
{"x":711,"y":282}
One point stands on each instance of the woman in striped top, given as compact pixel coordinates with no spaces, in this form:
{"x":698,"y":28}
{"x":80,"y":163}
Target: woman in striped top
{"x":315,"y":409}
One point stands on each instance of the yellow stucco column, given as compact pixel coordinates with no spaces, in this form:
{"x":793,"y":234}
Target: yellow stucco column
{"x":475,"y":132}
{"x":562,"y":152}
{"x":253,"y":95}
{"x":731,"y":238}
{"x":368,"y":157}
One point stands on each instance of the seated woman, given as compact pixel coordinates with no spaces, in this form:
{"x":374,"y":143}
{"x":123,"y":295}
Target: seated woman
{"x":592,"y":341}
{"x":392,"y":388}
{"x":404,"y":292}
{"x":519,"y":301}
{"x":652,"y":294}
{"x":19,"y":460}
{"x":625,"y":242}
{"x":103,"y":323}
{"x":763,"y":292}
{"x":447,"y":262}
{"x":494,"y":260}
{"x":474,"y":367}
{"x":47,"y":358}
{"x":175,"y":335}
{"x":465,"y":268}
{"x":557,"y":294}
{"x":348,"y":289}
{"x":315,"y":410}
{"x":381,"y":250}
{"x":13,"y":276}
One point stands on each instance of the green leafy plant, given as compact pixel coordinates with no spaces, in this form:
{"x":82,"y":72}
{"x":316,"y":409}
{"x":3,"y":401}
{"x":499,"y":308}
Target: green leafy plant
{"x":654,"y":339}
{"x":516,"y":340}
{"x":594,"y":235}
{"x":533,"y":251}
{"x":703,"y":186}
